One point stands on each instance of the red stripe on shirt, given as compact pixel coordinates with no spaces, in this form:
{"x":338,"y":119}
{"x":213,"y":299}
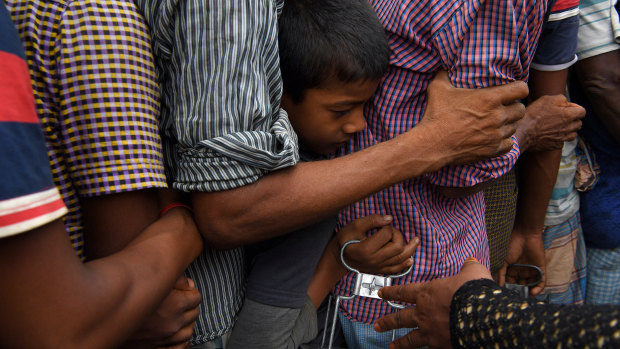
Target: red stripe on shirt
{"x":561,"y":5}
{"x":32,"y":213}
{"x":16,"y":99}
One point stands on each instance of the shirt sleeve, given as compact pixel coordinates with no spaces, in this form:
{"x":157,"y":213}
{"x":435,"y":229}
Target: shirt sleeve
{"x":221,"y":86}
{"x":474,"y":65}
{"x":108,"y":99}
{"x":484,"y":315}
{"x":28,"y":197}
{"x":557,"y":45}
{"x":477,"y":172}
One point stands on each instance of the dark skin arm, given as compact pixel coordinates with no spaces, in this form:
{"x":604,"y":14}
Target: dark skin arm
{"x":600,"y":78}
{"x":93,"y":305}
{"x":538,"y":171}
{"x":478,"y":126}
{"x":113,"y":221}
{"x":549,"y":121}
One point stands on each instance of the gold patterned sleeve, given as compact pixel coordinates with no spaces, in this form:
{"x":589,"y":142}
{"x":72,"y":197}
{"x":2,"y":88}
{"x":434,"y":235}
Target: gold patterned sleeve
{"x":484,"y":315}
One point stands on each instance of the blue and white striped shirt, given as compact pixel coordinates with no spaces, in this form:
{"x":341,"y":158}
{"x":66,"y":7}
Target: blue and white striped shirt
{"x":222,"y":125}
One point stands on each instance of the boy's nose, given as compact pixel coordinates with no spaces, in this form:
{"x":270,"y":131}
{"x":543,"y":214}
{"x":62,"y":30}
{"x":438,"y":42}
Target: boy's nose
{"x":356,"y":123}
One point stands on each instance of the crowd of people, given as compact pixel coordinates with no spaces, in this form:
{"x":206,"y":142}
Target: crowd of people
{"x":186,"y":173}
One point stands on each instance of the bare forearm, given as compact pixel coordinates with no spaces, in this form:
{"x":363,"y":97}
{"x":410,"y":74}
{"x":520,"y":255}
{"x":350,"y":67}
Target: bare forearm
{"x":600,"y":77}
{"x":459,"y":126}
{"x":286,"y":200}
{"x":327,"y":273}
{"x":538,"y":173}
{"x":152,"y":262}
{"x":539,"y":170}
{"x":93,"y":305}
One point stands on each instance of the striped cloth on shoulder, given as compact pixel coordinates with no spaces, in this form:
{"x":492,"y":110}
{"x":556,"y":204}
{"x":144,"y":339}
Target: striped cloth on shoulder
{"x":222,"y":126}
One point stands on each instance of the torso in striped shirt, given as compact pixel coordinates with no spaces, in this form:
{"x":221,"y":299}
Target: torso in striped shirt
{"x":222,"y":125}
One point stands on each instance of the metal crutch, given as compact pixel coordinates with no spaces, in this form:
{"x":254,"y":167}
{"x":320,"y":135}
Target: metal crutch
{"x":366,"y":285}
{"x":524,"y":290}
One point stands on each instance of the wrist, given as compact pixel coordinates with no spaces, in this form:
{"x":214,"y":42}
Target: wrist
{"x":426,"y":141}
{"x":174,"y":205}
{"x":525,"y":132}
{"x":529,"y":229}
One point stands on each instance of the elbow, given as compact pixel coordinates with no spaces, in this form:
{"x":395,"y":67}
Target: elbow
{"x":223,"y":223}
{"x":218,"y":233}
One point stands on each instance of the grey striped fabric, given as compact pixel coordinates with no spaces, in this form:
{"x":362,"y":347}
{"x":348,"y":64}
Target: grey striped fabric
{"x":221,"y":126}
{"x":221,"y":87}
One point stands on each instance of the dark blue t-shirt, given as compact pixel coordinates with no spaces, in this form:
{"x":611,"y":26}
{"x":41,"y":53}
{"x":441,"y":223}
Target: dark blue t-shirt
{"x":600,"y":207}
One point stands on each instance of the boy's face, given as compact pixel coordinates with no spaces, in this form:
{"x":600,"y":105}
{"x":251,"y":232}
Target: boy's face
{"x":329,"y":116}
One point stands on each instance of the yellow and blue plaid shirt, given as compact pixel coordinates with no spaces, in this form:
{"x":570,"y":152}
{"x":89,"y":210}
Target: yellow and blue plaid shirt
{"x":96,"y":95}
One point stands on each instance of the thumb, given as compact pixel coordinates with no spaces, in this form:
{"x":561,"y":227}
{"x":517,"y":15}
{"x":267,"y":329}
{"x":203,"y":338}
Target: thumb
{"x":184,"y":283}
{"x":509,"y":93}
{"x":441,"y":78}
{"x":440,"y":82}
{"x":371,"y":222}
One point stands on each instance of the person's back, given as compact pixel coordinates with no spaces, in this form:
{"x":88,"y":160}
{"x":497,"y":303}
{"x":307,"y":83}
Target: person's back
{"x":333,"y":54}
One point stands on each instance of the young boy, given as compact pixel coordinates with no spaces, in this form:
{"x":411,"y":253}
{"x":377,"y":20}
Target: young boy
{"x":333,"y":54}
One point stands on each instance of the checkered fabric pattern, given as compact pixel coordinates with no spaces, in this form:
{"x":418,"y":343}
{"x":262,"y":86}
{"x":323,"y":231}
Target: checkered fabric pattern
{"x":28,"y":198}
{"x":426,"y":36}
{"x":500,"y":199}
{"x":603,"y":276}
{"x":96,"y":95}
{"x":565,"y":255}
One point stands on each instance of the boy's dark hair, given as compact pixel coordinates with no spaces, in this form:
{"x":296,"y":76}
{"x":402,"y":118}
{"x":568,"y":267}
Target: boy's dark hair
{"x":325,"y":39}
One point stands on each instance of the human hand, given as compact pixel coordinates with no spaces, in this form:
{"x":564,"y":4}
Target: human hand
{"x":472,"y":124}
{"x":431,"y":315}
{"x":172,"y":323}
{"x":524,"y":247}
{"x":384,"y":252}
{"x":549,"y":121}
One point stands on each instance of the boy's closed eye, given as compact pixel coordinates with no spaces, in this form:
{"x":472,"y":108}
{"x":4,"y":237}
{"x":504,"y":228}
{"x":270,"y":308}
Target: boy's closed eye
{"x":341,"y":113}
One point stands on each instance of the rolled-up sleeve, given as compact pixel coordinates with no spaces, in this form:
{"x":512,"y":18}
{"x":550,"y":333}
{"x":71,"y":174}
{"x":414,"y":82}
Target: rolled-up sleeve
{"x":221,"y":87}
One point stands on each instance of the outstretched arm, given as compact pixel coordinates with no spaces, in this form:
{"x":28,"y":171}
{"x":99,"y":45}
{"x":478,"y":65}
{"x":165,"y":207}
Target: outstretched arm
{"x":459,"y":126}
{"x":431,"y":315}
{"x":469,"y":310}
